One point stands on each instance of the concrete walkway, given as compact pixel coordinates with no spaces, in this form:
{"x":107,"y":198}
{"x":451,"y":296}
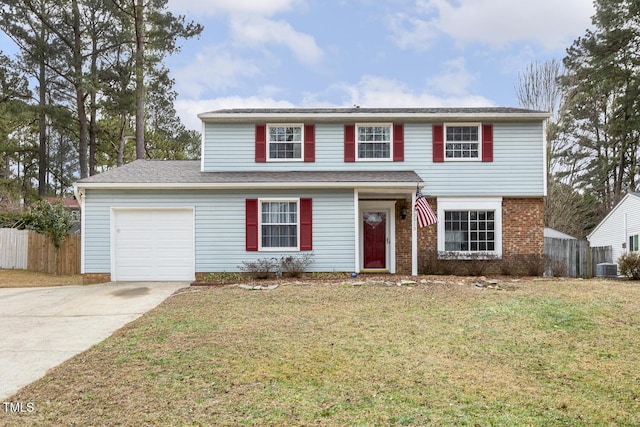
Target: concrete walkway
{"x":42,"y":327}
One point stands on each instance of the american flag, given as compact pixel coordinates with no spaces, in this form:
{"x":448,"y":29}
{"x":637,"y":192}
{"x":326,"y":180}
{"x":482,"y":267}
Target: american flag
{"x":425,"y":214}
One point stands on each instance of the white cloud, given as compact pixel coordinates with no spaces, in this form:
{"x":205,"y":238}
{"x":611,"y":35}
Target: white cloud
{"x":498,"y":23}
{"x":410,"y":32}
{"x":375,"y":91}
{"x":256,"y":31}
{"x":213,"y":68}
{"x":369,"y":92}
{"x":188,"y":109}
{"x":211,"y":7}
{"x":455,"y":80}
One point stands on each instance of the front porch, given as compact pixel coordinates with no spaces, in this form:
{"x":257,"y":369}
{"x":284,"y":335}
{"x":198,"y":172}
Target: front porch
{"x":387,"y":235}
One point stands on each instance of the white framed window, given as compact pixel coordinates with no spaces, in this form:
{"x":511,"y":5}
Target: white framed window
{"x":462,"y":141}
{"x":279,"y":224}
{"x":634,"y":243}
{"x":374,"y":141}
{"x":469,"y":231}
{"x":469,"y":226}
{"x":285,"y":142}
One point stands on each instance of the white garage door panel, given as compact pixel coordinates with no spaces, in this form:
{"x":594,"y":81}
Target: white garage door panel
{"x":153,"y":244}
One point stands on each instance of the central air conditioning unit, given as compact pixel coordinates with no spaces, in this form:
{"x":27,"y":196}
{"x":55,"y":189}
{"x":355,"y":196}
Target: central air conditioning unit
{"x":607,"y":269}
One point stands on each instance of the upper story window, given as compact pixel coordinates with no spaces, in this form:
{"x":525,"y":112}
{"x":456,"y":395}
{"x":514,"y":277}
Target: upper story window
{"x":374,"y":141}
{"x":285,"y":142}
{"x":462,"y":142}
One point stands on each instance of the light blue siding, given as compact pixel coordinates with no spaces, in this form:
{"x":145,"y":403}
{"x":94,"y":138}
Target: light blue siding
{"x":517,"y":169}
{"x":220,"y":226}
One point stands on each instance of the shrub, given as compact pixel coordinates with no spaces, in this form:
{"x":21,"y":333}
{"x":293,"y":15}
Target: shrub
{"x":294,"y":266}
{"x":53,"y":220}
{"x":262,"y":268}
{"x":533,"y":264}
{"x":554,"y":267}
{"x":478,"y":263}
{"x":447,"y":263}
{"x":629,"y":265}
{"x":523,"y":265}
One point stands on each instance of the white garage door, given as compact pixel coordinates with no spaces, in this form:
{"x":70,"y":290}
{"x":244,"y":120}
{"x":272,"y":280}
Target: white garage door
{"x":153,"y":244}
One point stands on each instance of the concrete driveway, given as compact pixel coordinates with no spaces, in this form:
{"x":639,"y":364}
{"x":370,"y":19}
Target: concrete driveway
{"x":42,"y":327}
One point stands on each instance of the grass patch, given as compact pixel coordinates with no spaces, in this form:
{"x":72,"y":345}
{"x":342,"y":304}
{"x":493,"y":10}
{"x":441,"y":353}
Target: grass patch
{"x":547,"y":353}
{"x":32,"y":279}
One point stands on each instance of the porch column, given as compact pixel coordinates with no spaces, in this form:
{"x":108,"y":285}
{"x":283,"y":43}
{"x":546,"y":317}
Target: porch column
{"x":356,"y":224}
{"x":414,"y":236}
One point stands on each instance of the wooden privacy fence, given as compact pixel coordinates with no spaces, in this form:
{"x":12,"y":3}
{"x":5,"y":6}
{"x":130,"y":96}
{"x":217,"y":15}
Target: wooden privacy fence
{"x":576,"y":256}
{"x":29,"y":250}
{"x":13,"y":248}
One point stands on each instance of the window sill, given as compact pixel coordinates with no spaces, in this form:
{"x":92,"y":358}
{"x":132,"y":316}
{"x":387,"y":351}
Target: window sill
{"x":468,"y":256}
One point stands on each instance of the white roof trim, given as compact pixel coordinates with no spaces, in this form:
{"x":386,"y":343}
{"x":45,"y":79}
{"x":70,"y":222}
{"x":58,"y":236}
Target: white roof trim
{"x":606,"y":218}
{"x":211,"y":117}
{"x":242,"y":185}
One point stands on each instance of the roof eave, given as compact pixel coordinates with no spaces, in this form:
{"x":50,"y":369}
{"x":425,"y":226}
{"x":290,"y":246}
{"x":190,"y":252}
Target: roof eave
{"x":255,"y":117}
{"x":241,"y":185}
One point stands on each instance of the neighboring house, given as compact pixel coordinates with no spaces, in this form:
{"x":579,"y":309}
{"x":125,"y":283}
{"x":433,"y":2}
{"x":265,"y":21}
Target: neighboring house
{"x":620,"y":229}
{"x":338,"y":182}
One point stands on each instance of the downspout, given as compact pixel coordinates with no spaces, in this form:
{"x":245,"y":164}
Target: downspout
{"x":625,"y":243}
{"x":414,"y":236}
{"x":356,"y":224}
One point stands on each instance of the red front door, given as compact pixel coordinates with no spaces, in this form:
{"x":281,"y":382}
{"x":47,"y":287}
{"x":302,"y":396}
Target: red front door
{"x":375,"y":238}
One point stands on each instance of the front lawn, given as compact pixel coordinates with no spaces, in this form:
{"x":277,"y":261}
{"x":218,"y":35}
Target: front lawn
{"x":536,"y":353}
{"x":33,"y":279}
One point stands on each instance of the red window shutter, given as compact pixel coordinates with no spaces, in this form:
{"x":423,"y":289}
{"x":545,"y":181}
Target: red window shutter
{"x":438,"y":143}
{"x":487,"y":143}
{"x":398,"y":142}
{"x":306,"y":225}
{"x":251,"y":221}
{"x":261,"y":143}
{"x":349,"y":143}
{"x":309,"y":143}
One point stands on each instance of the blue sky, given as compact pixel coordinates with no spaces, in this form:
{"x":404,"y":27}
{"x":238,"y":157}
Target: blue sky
{"x":372,"y":53}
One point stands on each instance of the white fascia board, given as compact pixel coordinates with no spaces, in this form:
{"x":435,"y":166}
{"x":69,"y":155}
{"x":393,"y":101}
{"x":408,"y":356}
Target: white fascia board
{"x":368,"y":116}
{"x":244,"y":185}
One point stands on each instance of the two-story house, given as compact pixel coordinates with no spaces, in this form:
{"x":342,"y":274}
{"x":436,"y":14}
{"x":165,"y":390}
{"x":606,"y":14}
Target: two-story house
{"x":339,"y":182}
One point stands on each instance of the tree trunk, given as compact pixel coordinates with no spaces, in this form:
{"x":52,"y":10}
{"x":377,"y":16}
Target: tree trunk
{"x":42,"y":131}
{"x":93,"y":125}
{"x":79,"y":87}
{"x":122,"y":140}
{"x":140,"y":90}
{"x":42,"y":117}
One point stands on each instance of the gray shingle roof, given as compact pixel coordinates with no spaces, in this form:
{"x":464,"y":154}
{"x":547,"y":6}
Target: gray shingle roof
{"x":187,"y":172}
{"x":427,"y":111}
{"x":320,"y":115}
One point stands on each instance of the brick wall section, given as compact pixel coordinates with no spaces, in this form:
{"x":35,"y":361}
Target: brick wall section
{"x":427,"y":237}
{"x":522,"y":230}
{"x":403,"y":239}
{"x":522,"y":227}
{"x":95,"y":278}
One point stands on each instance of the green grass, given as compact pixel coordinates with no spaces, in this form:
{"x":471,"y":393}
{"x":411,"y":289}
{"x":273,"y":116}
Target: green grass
{"x":545,"y":354}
